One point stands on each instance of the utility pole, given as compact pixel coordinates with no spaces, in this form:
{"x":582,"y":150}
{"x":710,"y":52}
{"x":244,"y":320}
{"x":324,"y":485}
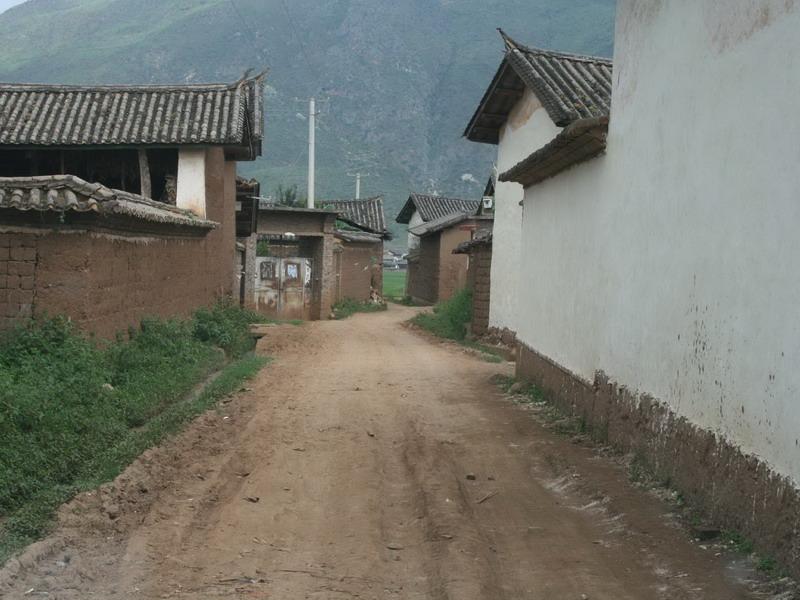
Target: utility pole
{"x":358,"y":177}
{"x":312,"y":131}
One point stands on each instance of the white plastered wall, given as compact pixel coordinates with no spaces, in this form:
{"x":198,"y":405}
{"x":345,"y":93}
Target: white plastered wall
{"x":413,"y":240}
{"x":191,"y":193}
{"x":527,"y":128}
{"x":673,"y":262}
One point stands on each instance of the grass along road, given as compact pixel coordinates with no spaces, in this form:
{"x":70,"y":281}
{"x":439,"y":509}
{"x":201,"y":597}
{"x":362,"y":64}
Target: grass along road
{"x":394,"y":284}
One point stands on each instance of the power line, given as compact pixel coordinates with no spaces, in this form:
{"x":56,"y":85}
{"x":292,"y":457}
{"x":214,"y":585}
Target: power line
{"x":246,"y":25}
{"x":297,"y":36}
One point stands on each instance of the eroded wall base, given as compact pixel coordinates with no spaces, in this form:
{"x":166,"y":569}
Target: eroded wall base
{"x":734,"y":490}
{"x":503,"y":336}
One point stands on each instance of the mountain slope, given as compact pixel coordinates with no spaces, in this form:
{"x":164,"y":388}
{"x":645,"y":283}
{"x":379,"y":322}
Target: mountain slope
{"x":396,"y":80}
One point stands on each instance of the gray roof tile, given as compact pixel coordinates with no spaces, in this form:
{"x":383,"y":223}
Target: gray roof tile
{"x":57,"y":115}
{"x":67,"y":193}
{"x":569,"y":86}
{"x":435,"y":207}
{"x":366,"y":214}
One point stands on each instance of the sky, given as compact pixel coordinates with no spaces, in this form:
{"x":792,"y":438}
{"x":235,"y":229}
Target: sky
{"x":5,"y":4}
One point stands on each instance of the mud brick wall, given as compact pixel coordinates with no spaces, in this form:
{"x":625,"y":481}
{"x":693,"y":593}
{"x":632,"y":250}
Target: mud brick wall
{"x":250,"y":243}
{"x":108,"y":280}
{"x":324,"y":276}
{"x":452,"y":267}
{"x":17,"y":269}
{"x":733,"y":490}
{"x":479,"y":280}
{"x":360,"y":270}
{"x":423,"y":275}
{"x":105,"y":283}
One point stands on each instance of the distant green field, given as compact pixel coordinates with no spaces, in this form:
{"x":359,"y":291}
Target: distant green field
{"x":394,"y":283}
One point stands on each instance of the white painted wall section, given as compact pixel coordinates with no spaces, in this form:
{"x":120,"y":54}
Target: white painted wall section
{"x":413,"y":240}
{"x":191,"y":194}
{"x":671,"y":263}
{"x":527,"y":129}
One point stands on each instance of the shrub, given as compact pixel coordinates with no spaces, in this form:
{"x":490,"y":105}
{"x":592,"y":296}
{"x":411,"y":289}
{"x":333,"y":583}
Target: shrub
{"x":227,"y":326}
{"x":449,"y":318}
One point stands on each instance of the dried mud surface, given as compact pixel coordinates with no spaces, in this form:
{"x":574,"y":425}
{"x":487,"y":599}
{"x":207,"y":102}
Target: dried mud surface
{"x":368,"y":462}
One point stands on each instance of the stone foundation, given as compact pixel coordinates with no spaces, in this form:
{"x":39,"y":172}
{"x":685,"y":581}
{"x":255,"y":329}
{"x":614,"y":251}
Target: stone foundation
{"x":733,"y":490}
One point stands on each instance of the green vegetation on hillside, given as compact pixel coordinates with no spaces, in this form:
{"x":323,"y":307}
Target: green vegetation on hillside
{"x":73,"y":413}
{"x":396,"y":82}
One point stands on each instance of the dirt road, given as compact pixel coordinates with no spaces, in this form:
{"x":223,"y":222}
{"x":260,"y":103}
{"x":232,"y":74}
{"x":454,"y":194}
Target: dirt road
{"x":345,"y":471}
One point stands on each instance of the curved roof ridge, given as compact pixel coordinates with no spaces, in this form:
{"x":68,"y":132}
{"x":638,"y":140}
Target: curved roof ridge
{"x":512,"y":44}
{"x":68,"y":193}
{"x":129,"y":87}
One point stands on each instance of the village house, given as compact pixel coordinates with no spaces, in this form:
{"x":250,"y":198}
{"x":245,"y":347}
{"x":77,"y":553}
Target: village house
{"x":394,"y":260}
{"x":659,"y":296}
{"x":302,"y":261}
{"x":289,"y":271}
{"x":118,"y":202}
{"x":435,"y":273}
{"x":358,"y":260}
{"x":436,"y":225}
{"x":422,"y":208}
{"x":531,"y":97}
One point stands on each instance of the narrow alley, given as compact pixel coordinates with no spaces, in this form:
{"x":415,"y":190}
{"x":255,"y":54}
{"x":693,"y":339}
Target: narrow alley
{"x":367,"y":461}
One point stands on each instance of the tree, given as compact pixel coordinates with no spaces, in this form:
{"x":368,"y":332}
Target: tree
{"x":288,"y":196}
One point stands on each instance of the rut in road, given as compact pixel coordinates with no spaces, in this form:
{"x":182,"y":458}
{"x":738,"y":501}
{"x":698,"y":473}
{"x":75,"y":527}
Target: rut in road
{"x":340,"y":472}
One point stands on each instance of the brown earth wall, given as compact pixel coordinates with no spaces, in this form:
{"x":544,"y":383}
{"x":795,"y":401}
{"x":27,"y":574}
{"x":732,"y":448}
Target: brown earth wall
{"x":324,"y":278}
{"x":360,"y":270}
{"x":452,"y":267}
{"x":107,"y":281}
{"x":104,"y":283}
{"x":479,"y":280}
{"x":423,"y":274}
{"x":733,"y":490}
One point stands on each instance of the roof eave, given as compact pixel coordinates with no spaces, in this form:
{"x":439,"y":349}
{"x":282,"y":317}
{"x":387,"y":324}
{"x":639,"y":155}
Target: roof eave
{"x":489,"y":133}
{"x":581,"y":141}
{"x":405,"y":214}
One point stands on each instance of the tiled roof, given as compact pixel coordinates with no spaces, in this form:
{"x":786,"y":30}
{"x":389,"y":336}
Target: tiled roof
{"x":435,"y":207}
{"x":270,"y":206}
{"x":569,"y":86}
{"x":57,"y":115}
{"x":579,"y":142}
{"x":481,"y":238}
{"x":66,"y":193}
{"x":447,"y":221}
{"x":366,"y":214}
{"x":358,"y":236}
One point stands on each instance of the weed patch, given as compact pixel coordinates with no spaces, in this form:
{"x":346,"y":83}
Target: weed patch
{"x":449,"y":319}
{"x":489,"y":354}
{"x":226,"y":326}
{"x":73,"y":414}
{"x":347,"y":308}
